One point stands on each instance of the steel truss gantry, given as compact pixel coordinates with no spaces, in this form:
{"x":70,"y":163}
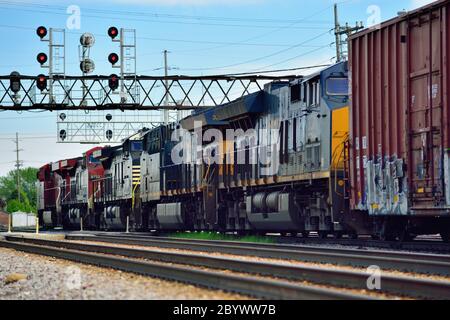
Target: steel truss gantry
{"x":139,"y":92}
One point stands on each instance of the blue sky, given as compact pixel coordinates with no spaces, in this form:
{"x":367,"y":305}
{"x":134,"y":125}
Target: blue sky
{"x":203,"y":36}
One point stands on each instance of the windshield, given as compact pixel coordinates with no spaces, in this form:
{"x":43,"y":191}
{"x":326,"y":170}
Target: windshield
{"x":337,"y":86}
{"x":93,"y":160}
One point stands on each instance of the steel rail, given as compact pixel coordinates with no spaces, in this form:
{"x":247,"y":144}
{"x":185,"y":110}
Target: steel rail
{"x":248,"y":285}
{"x":432,"y":245}
{"x":303,"y":245}
{"x":409,"y":262}
{"x":399,"y":285}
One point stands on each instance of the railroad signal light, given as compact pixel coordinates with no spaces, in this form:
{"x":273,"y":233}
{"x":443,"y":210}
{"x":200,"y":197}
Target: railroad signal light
{"x":41,"y":82}
{"x":113,"y":58}
{"x":113,"y":82}
{"x":41,"y":32}
{"x":62,"y":134}
{"x":42,"y":58}
{"x":109,"y":134}
{"x":113,"y":32}
{"x":87,"y":66}
{"x":14,"y":82}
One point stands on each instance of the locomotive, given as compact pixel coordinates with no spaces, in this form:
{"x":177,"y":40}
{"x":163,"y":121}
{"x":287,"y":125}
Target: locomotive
{"x":294,"y":132}
{"x":360,"y":147}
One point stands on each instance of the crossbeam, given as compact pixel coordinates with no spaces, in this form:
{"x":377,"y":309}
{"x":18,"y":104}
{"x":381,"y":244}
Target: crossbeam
{"x":139,"y":93}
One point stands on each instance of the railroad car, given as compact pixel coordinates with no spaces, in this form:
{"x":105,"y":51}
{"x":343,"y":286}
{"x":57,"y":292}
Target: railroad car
{"x":71,"y":193}
{"x":116,"y":194}
{"x":360,"y":147}
{"x":400,"y":130}
{"x":47,"y":196}
{"x":66,"y":189}
{"x":297,"y":122}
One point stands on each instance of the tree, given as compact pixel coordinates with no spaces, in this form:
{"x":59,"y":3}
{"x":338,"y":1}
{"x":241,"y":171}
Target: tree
{"x":8,"y":190}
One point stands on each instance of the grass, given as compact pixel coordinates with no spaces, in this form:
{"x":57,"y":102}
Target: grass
{"x":220,"y":236}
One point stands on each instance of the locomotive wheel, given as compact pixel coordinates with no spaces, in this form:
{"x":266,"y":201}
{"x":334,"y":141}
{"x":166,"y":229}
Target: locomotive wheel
{"x":385,"y":236}
{"x":322,"y":234}
{"x":353,"y":235}
{"x":406,"y":236}
{"x":305,"y":234}
{"x":337,"y":234}
{"x":445,"y":235}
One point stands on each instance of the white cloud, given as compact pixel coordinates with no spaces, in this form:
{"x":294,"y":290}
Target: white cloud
{"x":420,"y":3}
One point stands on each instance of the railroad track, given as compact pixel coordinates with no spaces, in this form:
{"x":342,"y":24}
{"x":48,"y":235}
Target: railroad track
{"x":387,"y":260}
{"x":426,"y":244}
{"x":431,"y":245}
{"x":119,"y":259}
{"x":395,"y":285}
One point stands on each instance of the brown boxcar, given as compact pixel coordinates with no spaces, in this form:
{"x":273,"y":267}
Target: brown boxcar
{"x":399,"y":127}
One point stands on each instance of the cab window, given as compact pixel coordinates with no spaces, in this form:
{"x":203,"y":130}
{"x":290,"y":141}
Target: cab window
{"x":93,"y":160}
{"x":337,"y":86}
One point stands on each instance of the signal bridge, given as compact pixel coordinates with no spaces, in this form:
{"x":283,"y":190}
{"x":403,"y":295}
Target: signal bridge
{"x":117,"y":105}
{"x":20,"y":93}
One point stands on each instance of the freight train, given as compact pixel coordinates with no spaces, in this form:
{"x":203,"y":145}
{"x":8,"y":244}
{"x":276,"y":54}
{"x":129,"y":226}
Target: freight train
{"x":360,"y":147}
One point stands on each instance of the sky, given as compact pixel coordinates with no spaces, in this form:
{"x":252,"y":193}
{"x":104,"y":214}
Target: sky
{"x":203,"y":37}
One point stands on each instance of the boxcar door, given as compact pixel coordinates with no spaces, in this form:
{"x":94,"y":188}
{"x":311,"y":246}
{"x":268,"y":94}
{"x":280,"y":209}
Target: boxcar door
{"x":425,"y":112}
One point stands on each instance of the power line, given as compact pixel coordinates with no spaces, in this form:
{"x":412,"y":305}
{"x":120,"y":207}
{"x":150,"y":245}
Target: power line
{"x":121,"y":18}
{"x":224,"y":43}
{"x":158,"y":15}
{"x":265,"y":34}
{"x":303,"y":44}
{"x":24,"y":117}
{"x":266,"y":56}
{"x":31,"y":138}
{"x":293,"y":58}
{"x":274,"y":71}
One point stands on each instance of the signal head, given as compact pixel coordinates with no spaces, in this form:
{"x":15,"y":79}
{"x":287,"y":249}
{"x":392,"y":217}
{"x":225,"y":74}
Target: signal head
{"x":41,"y":32}
{"x":87,"y":66}
{"x":41,"y":82}
{"x":87,"y":40}
{"x":113,"y":82}
{"x":63,"y":134}
{"x":113,"y":58}
{"x":113,"y":32}
{"x":109,"y":134}
{"x":14,"y":82}
{"x":42,"y":58}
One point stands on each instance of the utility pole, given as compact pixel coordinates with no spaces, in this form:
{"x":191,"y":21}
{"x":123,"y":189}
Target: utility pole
{"x":18,"y":165}
{"x":336,"y":33}
{"x":166,"y":97}
{"x":339,"y":31}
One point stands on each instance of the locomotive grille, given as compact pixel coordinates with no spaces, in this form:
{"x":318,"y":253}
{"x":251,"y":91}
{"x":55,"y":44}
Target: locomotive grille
{"x":136,"y":175}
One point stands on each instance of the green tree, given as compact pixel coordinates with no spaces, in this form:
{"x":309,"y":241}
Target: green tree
{"x":8,"y":190}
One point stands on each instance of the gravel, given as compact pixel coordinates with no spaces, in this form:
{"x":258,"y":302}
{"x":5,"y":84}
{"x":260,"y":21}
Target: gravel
{"x":55,"y":279}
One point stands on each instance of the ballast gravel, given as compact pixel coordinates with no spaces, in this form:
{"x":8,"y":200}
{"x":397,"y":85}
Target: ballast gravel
{"x":37,"y":277}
